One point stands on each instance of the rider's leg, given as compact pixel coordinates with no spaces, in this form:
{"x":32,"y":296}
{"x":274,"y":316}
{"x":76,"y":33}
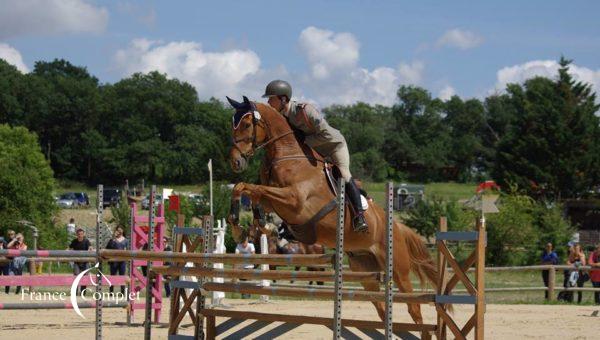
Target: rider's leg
{"x":342,"y":158}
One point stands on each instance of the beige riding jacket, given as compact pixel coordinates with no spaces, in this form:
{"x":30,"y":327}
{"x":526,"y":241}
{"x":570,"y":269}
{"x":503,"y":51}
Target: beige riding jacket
{"x":320,"y":136}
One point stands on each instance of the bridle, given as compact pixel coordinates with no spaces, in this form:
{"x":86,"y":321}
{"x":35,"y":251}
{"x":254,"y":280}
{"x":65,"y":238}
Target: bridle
{"x":256,"y":121}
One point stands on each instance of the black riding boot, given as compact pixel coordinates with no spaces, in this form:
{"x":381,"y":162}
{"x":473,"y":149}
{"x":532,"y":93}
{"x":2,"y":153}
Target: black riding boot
{"x":359,"y":222}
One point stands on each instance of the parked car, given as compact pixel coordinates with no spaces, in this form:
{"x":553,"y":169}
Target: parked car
{"x":82,"y":198}
{"x":67,"y":200}
{"x":146,"y":201}
{"x":111,"y":197}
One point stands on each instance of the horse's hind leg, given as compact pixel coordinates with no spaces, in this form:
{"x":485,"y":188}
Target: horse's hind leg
{"x":414,"y":309}
{"x":368,"y":263}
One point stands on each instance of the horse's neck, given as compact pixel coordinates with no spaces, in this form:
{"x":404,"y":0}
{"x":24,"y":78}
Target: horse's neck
{"x":286,"y":145}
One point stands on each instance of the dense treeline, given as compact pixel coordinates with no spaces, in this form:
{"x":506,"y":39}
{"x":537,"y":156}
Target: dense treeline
{"x":542,"y":136}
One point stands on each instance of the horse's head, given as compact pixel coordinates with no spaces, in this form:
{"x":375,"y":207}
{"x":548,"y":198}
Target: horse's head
{"x":248,"y":133}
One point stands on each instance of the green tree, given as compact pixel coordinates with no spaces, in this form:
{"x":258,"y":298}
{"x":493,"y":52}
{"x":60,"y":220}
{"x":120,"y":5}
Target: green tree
{"x":417,"y":140}
{"x":552,"y":148}
{"x":26,"y":185}
{"x":12,"y":88}
{"x":512,"y":232}
{"x":425,"y":217}
{"x":362,"y":126}
{"x":466,"y":122}
{"x":69,"y":108}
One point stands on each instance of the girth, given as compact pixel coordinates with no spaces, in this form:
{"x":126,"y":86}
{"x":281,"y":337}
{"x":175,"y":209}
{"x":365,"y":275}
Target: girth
{"x":307,"y":232}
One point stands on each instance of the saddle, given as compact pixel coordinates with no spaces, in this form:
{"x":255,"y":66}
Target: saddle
{"x":307,"y":232}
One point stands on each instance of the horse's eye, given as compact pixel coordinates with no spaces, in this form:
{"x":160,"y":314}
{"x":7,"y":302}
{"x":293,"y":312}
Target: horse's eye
{"x":245,"y":125}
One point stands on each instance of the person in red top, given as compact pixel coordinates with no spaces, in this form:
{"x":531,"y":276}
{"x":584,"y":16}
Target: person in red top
{"x":594,"y":262}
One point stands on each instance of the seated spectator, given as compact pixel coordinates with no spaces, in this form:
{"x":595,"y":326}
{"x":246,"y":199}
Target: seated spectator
{"x":576,"y":276}
{"x":594,"y":262}
{"x":10,"y":234}
{"x":118,"y":242}
{"x":81,"y":243}
{"x":5,"y":262}
{"x":549,"y":257}
{"x":18,"y":263}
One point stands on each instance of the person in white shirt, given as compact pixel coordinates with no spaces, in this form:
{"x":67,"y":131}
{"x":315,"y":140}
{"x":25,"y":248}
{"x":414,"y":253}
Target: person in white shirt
{"x":245,"y":248}
{"x":71,"y":227}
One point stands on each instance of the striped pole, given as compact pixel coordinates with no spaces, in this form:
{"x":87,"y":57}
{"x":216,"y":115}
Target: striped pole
{"x":56,"y":305}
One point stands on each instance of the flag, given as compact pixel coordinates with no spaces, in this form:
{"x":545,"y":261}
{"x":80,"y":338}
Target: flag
{"x":210,"y":165}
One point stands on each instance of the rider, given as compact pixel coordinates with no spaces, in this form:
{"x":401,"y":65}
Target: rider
{"x":320,"y":136}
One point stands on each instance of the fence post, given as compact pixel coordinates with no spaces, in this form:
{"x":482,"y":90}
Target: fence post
{"x":551,"y":282}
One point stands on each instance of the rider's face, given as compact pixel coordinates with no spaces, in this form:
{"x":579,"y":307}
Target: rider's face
{"x":275,"y":103}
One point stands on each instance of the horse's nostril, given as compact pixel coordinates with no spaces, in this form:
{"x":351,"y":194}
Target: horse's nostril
{"x":238,"y":163}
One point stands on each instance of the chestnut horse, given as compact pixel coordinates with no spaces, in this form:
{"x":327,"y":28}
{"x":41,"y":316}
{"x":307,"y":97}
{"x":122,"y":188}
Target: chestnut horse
{"x":295,"y":188}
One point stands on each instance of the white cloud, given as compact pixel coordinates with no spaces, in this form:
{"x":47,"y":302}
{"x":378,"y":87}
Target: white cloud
{"x":411,"y":73}
{"x":446,"y":93}
{"x":335,"y":76}
{"x":212,"y":73}
{"x":327,"y":51}
{"x":458,"y":38}
{"x":42,"y":17}
{"x":545,"y":68}
{"x":12,"y":56}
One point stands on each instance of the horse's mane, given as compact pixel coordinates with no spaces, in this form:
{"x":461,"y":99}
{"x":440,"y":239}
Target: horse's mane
{"x":275,"y":119}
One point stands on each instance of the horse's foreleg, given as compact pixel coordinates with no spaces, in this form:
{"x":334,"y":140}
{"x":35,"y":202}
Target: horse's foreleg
{"x":287,"y":197}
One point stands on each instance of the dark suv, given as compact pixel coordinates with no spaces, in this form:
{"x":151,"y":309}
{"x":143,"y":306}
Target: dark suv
{"x":82,"y":198}
{"x":111,"y":197}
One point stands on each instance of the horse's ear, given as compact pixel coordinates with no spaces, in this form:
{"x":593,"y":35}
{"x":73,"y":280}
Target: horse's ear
{"x":246,"y":100}
{"x":233,"y":103}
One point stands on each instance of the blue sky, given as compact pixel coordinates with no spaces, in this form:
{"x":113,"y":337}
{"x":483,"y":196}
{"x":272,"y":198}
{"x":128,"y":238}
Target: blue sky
{"x":331,"y":51}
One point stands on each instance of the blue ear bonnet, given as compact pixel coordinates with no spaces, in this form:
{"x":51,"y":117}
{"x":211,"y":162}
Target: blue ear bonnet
{"x":242,"y":109}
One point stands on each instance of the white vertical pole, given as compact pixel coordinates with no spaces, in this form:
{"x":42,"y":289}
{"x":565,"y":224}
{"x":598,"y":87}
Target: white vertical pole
{"x":264,"y":249}
{"x":217,"y":297}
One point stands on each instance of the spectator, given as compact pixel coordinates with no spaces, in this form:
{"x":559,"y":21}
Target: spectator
{"x":594,"y":262}
{"x":10,"y":235}
{"x":4,"y":266}
{"x":81,"y":243}
{"x":576,"y":276}
{"x":17,"y":264}
{"x":245,"y":248}
{"x":71,"y":227}
{"x":118,"y":242}
{"x":549,"y":257}
{"x":167,"y":278}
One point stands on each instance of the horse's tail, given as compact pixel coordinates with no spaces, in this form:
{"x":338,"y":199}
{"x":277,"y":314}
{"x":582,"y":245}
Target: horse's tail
{"x":422,"y":264}
{"x":420,"y":259}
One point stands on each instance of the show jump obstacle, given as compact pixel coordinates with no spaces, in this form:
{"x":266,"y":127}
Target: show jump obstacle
{"x":441,"y":299}
{"x":187,"y":292}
